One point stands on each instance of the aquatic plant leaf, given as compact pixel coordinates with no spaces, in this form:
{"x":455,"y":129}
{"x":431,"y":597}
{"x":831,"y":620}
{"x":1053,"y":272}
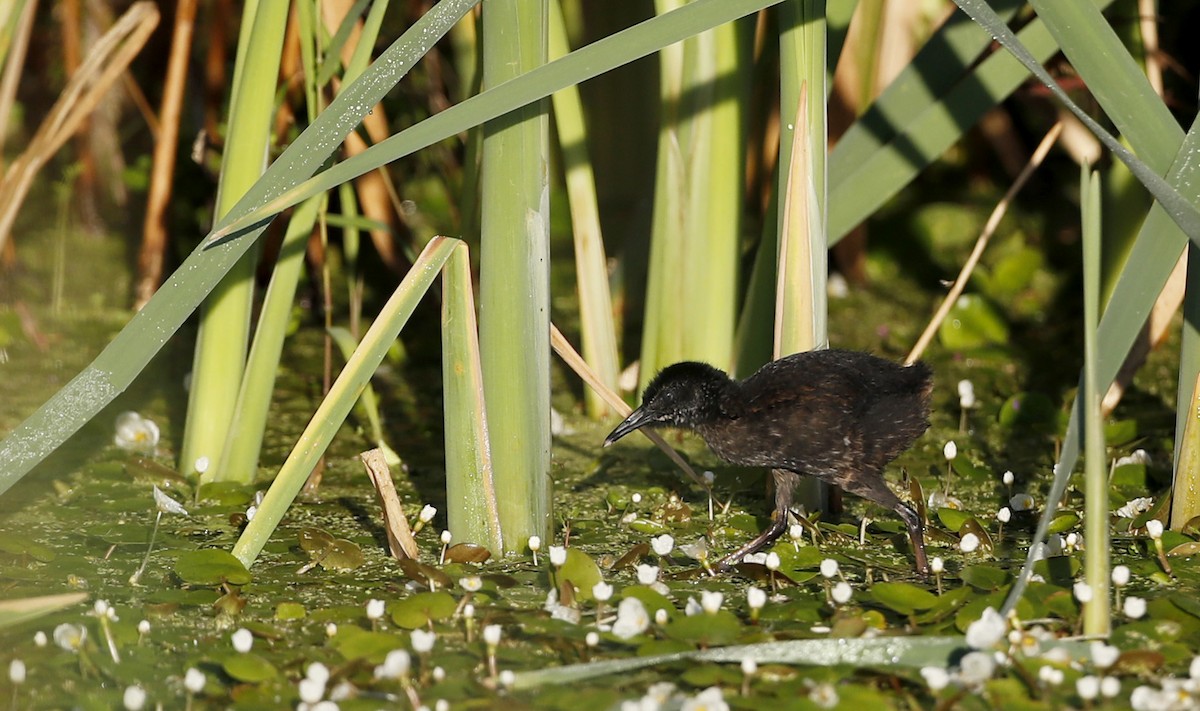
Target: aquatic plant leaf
{"x":1064,"y":522}
{"x":580,"y":571}
{"x":290,"y":611}
{"x":211,"y":566}
{"x":423,"y":608}
{"x":355,"y":643}
{"x":1033,"y":410}
{"x":972,"y":323}
{"x":904,"y":598}
{"x":651,"y":599}
{"x":704,"y":629}
{"x":467,"y":553}
{"x":18,"y":545}
{"x":632,"y":556}
{"x":952,"y":519}
{"x":342,"y":554}
{"x":249,"y":667}
{"x":984,"y":577}
{"x":314,"y":540}
{"x":427,"y":575}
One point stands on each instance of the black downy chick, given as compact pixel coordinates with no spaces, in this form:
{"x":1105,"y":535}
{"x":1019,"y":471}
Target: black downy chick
{"x":838,"y":415}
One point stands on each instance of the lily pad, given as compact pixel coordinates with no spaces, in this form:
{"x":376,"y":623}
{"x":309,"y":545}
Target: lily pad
{"x":421,"y":609}
{"x":984,"y":577}
{"x":211,"y":566}
{"x":356,"y":643}
{"x":706,"y":630}
{"x":580,"y":571}
{"x":904,"y":598}
{"x":250,"y":668}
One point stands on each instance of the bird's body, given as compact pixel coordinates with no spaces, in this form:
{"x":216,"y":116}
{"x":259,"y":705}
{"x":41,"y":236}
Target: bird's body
{"x":838,"y":415}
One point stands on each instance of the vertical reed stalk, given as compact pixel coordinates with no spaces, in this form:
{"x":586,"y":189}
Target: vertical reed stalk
{"x":800,"y":312}
{"x":598,"y":334}
{"x":514,"y":312}
{"x":1096,"y":613}
{"x":221,"y":343}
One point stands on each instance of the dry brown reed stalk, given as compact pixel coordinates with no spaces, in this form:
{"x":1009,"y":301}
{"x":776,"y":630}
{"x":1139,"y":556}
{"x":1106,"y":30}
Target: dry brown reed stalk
{"x":15,"y":65}
{"x":100,"y":69}
{"x":154,"y":228}
{"x":980,"y":244}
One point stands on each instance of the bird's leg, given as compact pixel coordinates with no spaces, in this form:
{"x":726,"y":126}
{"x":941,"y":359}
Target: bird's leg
{"x":785,"y":483}
{"x":870,"y":485}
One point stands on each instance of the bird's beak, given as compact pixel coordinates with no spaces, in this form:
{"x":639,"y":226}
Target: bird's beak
{"x":636,"y":419}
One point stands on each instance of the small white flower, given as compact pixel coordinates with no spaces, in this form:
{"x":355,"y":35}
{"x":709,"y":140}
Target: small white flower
{"x":756,"y":598}
{"x":709,"y":477}
{"x":1104,"y":655}
{"x":311,"y":690}
{"x":427,"y":513}
{"x":16,"y":671}
{"x":1004,"y":515}
{"x":438,"y":674}
{"x":663,"y":544}
{"x":422,"y":641}
{"x":1051,"y":676}
{"x":1154,"y":528}
{"x":1135,"y":507}
{"x":772,"y":562}
{"x":937,"y":565}
{"x":632,"y":618}
{"x":1147,"y":698}
{"x":647,"y":574}
{"x":70,"y":637}
{"x":134,"y":698}
{"x":331,"y":629}
{"x":166,"y":504}
{"x":697,"y":550}
{"x":395,"y":665}
{"x":558,"y":555}
{"x":635,"y":497}
{"x":242,"y":640}
{"x":692,"y":607}
{"x":602,"y":591}
{"x":749,"y":666}
{"x":375,"y":609}
{"x":39,"y":639}
{"x":471,"y":583}
{"x":535,"y":543}
{"x":936,"y":678}
{"x":661,"y":617}
{"x":201,"y":464}
{"x":1110,"y":686}
{"x":468,"y":611}
{"x":1134,"y":607}
{"x":1194,"y":668}
{"x":1021,"y":502}
{"x":250,"y":512}
{"x":708,"y":700}
{"x":491,"y":635}
{"x":592,"y":638}
{"x":135,"y":433}
{"x":969,"y":543}
{"x":1008,"y":478}
{"x":989,"y":629}
{"x":1120,"y":576}
{"x":976,"y":668}
{"x":446,"y":538}
{"x":507,"y":678}
{"x":829,"y":567}
{"x":1139,"y":456}
{"x":144,"y":627}
{"x":824,"y":695}
{"x":711,"y":601}
{"x":795,"y":532}
{"x":441,"y":705}
{"x":1083,"y":592}
{"x":194,"y":680}
{"x":950,"y":451}
{"x":841,"y":592}
{"x":758,"y":558}
{"x":966,"y":394}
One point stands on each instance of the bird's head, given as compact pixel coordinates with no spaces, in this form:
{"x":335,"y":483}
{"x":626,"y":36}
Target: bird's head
{"x":681,"y":395}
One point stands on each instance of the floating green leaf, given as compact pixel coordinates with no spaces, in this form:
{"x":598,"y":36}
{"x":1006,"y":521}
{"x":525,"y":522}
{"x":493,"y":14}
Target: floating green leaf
{"x":421,"y":609}
{"x":706,"y":630}
{"x":904,"y":598}
{"x":581,"y":571}
{"x":973,"y":323}
{"x":249,"y":667}
{"x":211,"y":566}
{"x":355,"y":643}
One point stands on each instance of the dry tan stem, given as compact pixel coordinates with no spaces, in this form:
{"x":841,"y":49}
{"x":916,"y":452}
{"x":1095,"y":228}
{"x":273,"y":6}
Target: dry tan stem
{"x":399,"y":535}
{"x":102,"y":67}
{"x":988,"y":229}
{"x":16,"y":64}
{"x":154,"y":228}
